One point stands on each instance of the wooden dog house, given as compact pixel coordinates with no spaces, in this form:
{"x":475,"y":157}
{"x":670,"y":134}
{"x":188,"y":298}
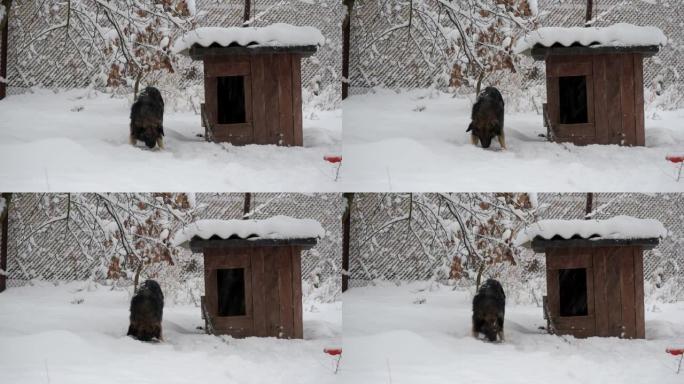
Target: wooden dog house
{"x":252,"y":274}
{"x":252,"y":81}
{"x":595,"y":276}
{"x":594,"y":81}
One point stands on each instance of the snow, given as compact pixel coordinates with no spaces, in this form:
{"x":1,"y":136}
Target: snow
{"x":618,"y":227}
{"x":192,"y":7}
{"x":276,"y":227}
{"x":47,"y":336}
{"x":274,"y":35}
{"x":617,"y":35}
{"x":77,"y":140}
{"x":416,"y":141}
{"x":421,"y":333}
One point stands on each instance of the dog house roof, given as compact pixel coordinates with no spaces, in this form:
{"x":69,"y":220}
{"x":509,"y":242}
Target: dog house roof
{"x":619,"y":230}
{"x":620,"y":37}
{"x":277,"y":230}
{"x":277,"y":37}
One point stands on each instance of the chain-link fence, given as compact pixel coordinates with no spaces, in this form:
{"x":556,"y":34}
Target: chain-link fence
{"x":393,"y":253}
{"x":42,"y":249}
{"x":384,"y":54}
{"x":50,"y":62}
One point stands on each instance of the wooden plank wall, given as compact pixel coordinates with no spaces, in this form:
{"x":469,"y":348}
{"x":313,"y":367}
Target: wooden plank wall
{"x":297,"y":99}
{"x":274,"y":291}
{"x":569,"y":258}
{"x":612,"y":285}
{"x":640,"y":332}
{"x":601,"y":293}
{"x":214,"y":259}
{"x":238,"y":134}
{"x":639,"y":126}
{"x":616,"y":292}
{"x":273,"y":98}
{"x":618,"y":101}
{"x":258,"y":262}
{"x":297,"y":322}
{"x":282,"y":290}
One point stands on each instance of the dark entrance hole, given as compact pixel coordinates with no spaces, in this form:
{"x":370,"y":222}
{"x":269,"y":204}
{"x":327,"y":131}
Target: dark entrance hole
{"x":231,"y":292}
{"x":572,"y":92}
{"x":230,"y":96}
{"x":573,"y":292}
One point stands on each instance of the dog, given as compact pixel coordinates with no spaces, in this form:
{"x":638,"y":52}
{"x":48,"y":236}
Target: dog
{"x":487,"y":118}
{"x":489,"y":307}
{"x":147,"y":307}
{"x":147,"y":118}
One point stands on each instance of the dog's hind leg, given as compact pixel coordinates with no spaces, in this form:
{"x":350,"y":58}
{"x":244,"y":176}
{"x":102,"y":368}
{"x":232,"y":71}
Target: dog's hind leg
{"x":502,"y":140}
{"x":501,"y":336}
{"x":132,"y":140}
{"x":474,"y":140}
{"x":160,"y":142}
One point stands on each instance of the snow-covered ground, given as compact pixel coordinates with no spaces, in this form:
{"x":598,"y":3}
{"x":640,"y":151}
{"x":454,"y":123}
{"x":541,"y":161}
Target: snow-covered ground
{"x":406,"y":334}
{"x":77,"y":140}
{"x":416,"y":141}
{"x":75,"y":333}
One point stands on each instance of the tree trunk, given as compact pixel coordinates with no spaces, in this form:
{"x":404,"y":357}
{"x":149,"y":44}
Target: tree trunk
{"x":590,"y":206}
{"x":4,"y":45}
{"x":247,"y":207}
{"x":136,"y":88}
{"x":346,"y":232}
{"x":590,"y":12}
{"x":346,"y":36}
{"x":136,"y":279}
{"x":478,"y":87}
{"x":4,"y":219}
{"x":247,"y":12}
{"x":478,"y":279}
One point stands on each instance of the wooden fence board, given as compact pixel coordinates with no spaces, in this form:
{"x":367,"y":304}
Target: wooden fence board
{"x":627,"y":98}
{"x":298,"y":324}
{"x":297,"y":99}
{"x":285,"y":105}
{"x":285,"y":290}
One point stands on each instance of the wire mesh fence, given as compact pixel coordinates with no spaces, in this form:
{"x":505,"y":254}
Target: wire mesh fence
{"x":385,"y":54}
{"x":393,"y":253}
{"x":46,"y":60}
{"x":39,"y":249}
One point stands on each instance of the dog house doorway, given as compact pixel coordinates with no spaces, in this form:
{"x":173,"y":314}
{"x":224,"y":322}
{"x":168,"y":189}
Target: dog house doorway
{"x":573,"y":105}
{"x":230,"y":285}
{"x":572,"y":292}
{"x":230,"y":99}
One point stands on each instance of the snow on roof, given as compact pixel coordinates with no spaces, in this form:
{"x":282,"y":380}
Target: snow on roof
{"x":618,"y":227}
{"x":617,"y":35}
{"x":274,"y":35}
{"x":277,"y":227}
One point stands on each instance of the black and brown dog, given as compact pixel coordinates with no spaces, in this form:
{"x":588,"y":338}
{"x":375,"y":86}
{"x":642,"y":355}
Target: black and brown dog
{"x":489,"y":308}
{"x":487,"y":118}
{"x":147,"y":308}
{"x":147,"y":118}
